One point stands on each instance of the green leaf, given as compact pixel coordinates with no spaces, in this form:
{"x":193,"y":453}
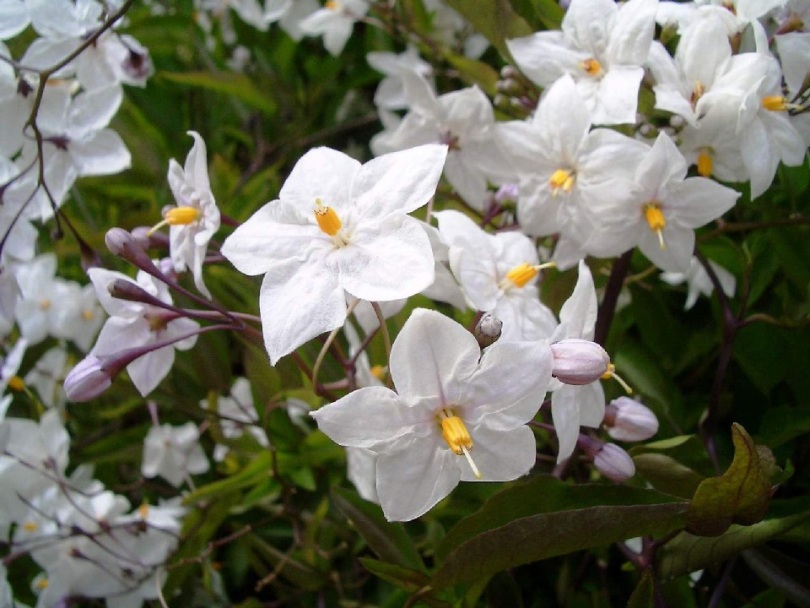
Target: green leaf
{"x":495,"y":19}
{"x":642,"y":596}
{"x":667,"y":474}
{"x":259,"y":469}
{"x":405,"y":578}
{"x":741,"y":495}
{"x":229,"y":83}
{"x":478,"y":72}
{"x":768,"y":566}
{"x":686,"y":552}
{"x":545,"y":517}
{"x":388,"y":540}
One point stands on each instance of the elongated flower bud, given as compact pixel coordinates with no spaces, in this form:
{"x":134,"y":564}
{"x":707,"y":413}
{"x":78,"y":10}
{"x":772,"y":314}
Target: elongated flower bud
{"x":88,"y":379}
{"x":628,"y":420}
{"x":608,"y":458}
{"x":578,"y":362}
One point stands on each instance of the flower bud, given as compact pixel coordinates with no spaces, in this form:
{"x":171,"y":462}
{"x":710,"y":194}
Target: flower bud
{"x":577,"y":361}
{"x":488,"y":330}
{"x":146,"y":238}
{"x":614,"y":463}
{"x":88,"y":379}
{"x":118,"y":241}
{"x":628,"y":420}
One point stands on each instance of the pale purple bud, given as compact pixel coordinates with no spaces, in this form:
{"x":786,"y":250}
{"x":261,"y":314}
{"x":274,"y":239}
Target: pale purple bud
{"x":88,"y":379}
{"x":508,"y":193}
{"x":614,"y":463}
{"x":576,"y":361}
{"x":628,"y":420}
{"x":119,"y":240}
{"x":487,"y":330}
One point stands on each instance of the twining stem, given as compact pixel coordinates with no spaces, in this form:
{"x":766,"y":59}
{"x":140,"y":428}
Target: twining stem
{"x":612,"y":290}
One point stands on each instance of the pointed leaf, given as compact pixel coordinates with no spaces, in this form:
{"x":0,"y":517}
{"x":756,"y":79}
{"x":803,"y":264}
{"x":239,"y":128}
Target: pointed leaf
{"x":667,"y":474}
{"x":545,"y":517}
{"x":236,"y":85}
{"x":642,"y":596}
{"x":388,"y":540}
{"x":740,"y":495}
{"x":686,"y":552}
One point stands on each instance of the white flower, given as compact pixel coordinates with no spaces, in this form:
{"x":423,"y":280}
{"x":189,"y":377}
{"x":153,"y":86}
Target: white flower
{"x":498,"y":274}
{"x":390,"y":93}
{"x":173,"y":452}
{"x":698,"y":281}
{"x":237,"y":415}
{"x":133,"y":324}
{"x":602,"y":46}
{"x":463,"y":120}
{"x":335,"y":22}
{"x":196,"y":218}
{"x":663,"y":211}
{"x":457,"y":415}
{"x":338,"y":226}
{"x":566,"y":169}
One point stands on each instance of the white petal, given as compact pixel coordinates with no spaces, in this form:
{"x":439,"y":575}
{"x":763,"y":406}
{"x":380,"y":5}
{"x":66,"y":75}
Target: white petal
{"x":103,"y":153}
{"x":617,"y":100}
{"x":373,"y":417}
{"x":398,"y":182}
{"x":432,"y":358}
{"x":297,"y":303}
{"x":275,"y":234}
{"x":591,"y":403}
{"x":321,"y":173}
{"x":146,"y":372}
{"x":412,"y":481}
{"x":565,"y":415}
{"x":510,"y":385}
{"x":387,"y":261}
{"x":579,"y":310}
{"x":500,"y":455}
{"x":632,"y":33}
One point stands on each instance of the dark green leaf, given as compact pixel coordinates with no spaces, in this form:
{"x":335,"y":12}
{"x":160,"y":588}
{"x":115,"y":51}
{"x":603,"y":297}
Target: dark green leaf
{"x":495,"y":19}
{"x":686,"y":552}
{"x":545,"y":517}
{"x":231,"y":84}
{"x":667,"y":474}
{"x":642,"y":596}
{"x":741,"y":495}
{"x":388,"y":540}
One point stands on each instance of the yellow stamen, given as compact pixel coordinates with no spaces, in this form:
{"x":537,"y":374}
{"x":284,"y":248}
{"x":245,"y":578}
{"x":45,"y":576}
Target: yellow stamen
{"x":705,"y":164}
{"x":45,"y":304}
{"x":42,"y":584}
{"x":176,"y":216}
{"x":16,"y":383}
{"x":30,"y":526}
{"x":611,"y":374}
{"x":521,"y":274}
{"x":777,"y":103}
{"x":561,"y":179}
{"x":656,"y":221}
{"x":143,"y":510}
{"x":378,"y":371}
{"x":327,"y":218}
{"x":458,"y":438}
{"x":88,"y":314}
{"x":332,"y":5}
{"x":592,"y":67}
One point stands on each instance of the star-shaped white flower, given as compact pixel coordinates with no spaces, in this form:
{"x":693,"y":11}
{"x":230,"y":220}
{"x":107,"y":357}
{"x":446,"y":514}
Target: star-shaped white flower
{"x":457,"y":415}
{"x":498,"y":274}
{"x":337,"y":226}
{"x":196,"y":218}
{"x":602,"y":46}
{"x":173,"y":452}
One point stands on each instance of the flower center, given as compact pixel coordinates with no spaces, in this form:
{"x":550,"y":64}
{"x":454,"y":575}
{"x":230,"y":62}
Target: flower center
{"x":697,"y":92}
{"x":457,"y":436}
{"x":449,"y":139}
{"x":329,"y":223}
{"x":30,"y":526}
{"x":561,"y":179}
{"x":88,"y":314}
{"x":332,"y":5}
{"x":176,"y":216}
{"x":16,"y":383}
{"x":705,"y":164}
{"x":521,"y":274}
{"x":656,"y":220}
{"x":592,"y":67}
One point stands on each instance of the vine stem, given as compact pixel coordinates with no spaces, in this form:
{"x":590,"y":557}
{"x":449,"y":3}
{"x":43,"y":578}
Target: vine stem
{"x":612,"y":290}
